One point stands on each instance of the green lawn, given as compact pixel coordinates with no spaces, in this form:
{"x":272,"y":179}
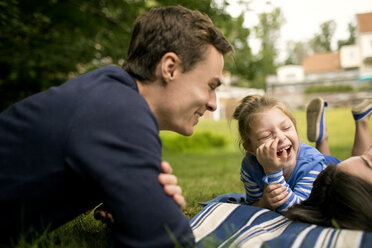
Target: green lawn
{"x":203,"y":174}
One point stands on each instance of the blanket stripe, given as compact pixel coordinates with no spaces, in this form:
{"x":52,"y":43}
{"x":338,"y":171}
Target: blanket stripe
{"x":233,"y":225}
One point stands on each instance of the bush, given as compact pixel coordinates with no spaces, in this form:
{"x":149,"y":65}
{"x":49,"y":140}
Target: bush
{"x":326,"y":89}
{"x":199,"y":141}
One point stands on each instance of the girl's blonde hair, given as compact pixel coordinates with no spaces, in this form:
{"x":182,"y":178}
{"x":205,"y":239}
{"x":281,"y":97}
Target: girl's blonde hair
{"x":249,"y":108}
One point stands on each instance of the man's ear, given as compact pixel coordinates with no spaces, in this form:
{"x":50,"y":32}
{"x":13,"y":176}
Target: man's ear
{"x":169,"y":64}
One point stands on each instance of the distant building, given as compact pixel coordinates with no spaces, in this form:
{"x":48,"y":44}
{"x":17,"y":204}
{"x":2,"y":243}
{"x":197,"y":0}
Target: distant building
{"x":350,"y":66}
{"x":338,"y":67}
{"x":322,"y":63}
{"x":290,"y":74}
{"x":364,"y":42}
{"x":350,"y":57}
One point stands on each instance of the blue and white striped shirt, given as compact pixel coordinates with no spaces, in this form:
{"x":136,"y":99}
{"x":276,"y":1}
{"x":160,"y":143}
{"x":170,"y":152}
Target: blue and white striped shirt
{"x":310,"y":162}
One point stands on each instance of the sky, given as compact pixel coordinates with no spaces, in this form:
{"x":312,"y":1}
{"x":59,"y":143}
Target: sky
{"x":303,"y":17}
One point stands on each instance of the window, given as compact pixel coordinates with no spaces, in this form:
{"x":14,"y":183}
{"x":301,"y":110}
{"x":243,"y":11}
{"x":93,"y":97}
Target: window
{"x":351,"y":55}
{"x":290,"y":76}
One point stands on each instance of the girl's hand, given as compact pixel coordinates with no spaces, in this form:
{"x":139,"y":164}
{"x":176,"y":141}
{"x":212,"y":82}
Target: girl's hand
{"x":169,"y":183}
{"x":274,"y":195}
{"x":267,"y":156}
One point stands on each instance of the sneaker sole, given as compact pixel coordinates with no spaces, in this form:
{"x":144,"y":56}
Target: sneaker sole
{"x":362,"y":110}
{"x":313,"y":116}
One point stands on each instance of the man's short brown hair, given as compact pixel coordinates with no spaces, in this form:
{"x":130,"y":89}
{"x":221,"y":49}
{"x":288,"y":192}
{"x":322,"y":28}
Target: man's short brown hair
{"x":175,"y":29}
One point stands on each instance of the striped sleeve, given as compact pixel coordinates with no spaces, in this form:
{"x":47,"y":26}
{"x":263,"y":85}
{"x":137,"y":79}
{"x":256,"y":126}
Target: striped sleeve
{"x":252,"y":189}
{"x":300,"y":192}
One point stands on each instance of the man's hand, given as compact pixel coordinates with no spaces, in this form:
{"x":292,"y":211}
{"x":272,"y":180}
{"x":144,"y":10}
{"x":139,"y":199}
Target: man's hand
{"x":274,"y":195}
{"x":267,"y":156}
{"x":169,"y":183}
{"x":100,"y":213}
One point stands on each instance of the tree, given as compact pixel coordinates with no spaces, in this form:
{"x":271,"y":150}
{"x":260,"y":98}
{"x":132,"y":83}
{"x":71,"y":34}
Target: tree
{"x":239,"y":63}
{"x":351,"y":39}
{"x":267,"y":31}
{"x":321,"y":42}
{"x":45,"y":42}
{"x":296,"y":51}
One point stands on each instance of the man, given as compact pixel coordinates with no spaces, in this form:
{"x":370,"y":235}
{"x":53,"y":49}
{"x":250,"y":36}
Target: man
{"x":96,"y":138}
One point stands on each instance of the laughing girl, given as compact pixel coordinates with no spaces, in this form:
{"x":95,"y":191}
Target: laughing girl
{"x":277,"y":170}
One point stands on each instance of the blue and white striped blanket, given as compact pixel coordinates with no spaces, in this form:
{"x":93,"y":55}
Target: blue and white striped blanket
{"x":233,"y":225}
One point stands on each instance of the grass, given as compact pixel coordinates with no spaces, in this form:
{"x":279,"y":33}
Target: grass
{"x":203,"y":174}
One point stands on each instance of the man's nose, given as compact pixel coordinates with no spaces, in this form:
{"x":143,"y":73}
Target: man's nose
{"x":212,"y":103}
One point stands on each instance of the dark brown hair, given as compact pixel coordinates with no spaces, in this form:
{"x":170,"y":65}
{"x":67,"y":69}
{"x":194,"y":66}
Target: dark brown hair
{"x":337,"y":199}
{"x":171,"y":29}
{"x":249,"y":108}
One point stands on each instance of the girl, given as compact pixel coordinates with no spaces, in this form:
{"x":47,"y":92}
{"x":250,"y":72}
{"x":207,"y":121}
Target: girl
{"x":278,"y":170}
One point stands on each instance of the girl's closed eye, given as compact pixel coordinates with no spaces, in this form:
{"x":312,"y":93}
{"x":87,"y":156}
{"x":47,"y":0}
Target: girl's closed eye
{"x":287,"y":127}
{"x":264,"y":136}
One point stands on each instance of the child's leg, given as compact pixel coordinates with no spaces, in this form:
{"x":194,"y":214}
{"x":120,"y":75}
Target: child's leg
{"x":322,"y":145}
{"x":316,"y":125}
{"x":362,"y":138}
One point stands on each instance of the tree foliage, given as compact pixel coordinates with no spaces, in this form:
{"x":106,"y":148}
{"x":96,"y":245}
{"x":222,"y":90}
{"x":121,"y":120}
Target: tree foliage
{"x":267,"y":31}
{"x":321,"y":42}
{"x":351,"y":39}
{"x":296,"y":52}
{"x":45,"y":42}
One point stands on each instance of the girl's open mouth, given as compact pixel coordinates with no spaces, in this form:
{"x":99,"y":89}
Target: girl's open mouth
{"x":286,"y":148}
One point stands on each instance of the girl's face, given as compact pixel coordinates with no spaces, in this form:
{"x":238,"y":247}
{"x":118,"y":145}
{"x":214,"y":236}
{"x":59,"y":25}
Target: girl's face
{"x":272,"y":125}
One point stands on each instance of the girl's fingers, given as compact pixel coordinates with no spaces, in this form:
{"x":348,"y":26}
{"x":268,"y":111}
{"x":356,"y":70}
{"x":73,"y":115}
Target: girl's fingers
{"x":277,"y":194}
{"x":274,"y":144}
{"x":282,"y":201}
{"x":272,"y":187}
{"x":279,"y":203}
{"x":284,"y":155}
{"x":280,"y":197}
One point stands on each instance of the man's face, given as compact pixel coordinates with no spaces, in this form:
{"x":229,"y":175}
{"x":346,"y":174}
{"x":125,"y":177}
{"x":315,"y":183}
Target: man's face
{"x":191,"y":94}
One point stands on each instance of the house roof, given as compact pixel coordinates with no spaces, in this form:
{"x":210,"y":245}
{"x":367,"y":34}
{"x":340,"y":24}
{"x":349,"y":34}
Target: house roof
{"x":364,"y":22}
{"x":322,"y":62}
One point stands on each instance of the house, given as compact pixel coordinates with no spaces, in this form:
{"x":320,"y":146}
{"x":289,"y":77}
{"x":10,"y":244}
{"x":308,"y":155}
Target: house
{"x":364,"y":42}
{"x":290,"y":74}
{"x":322,"y":63}
{"x":344,"y":67}
{"x":350,"y":57}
